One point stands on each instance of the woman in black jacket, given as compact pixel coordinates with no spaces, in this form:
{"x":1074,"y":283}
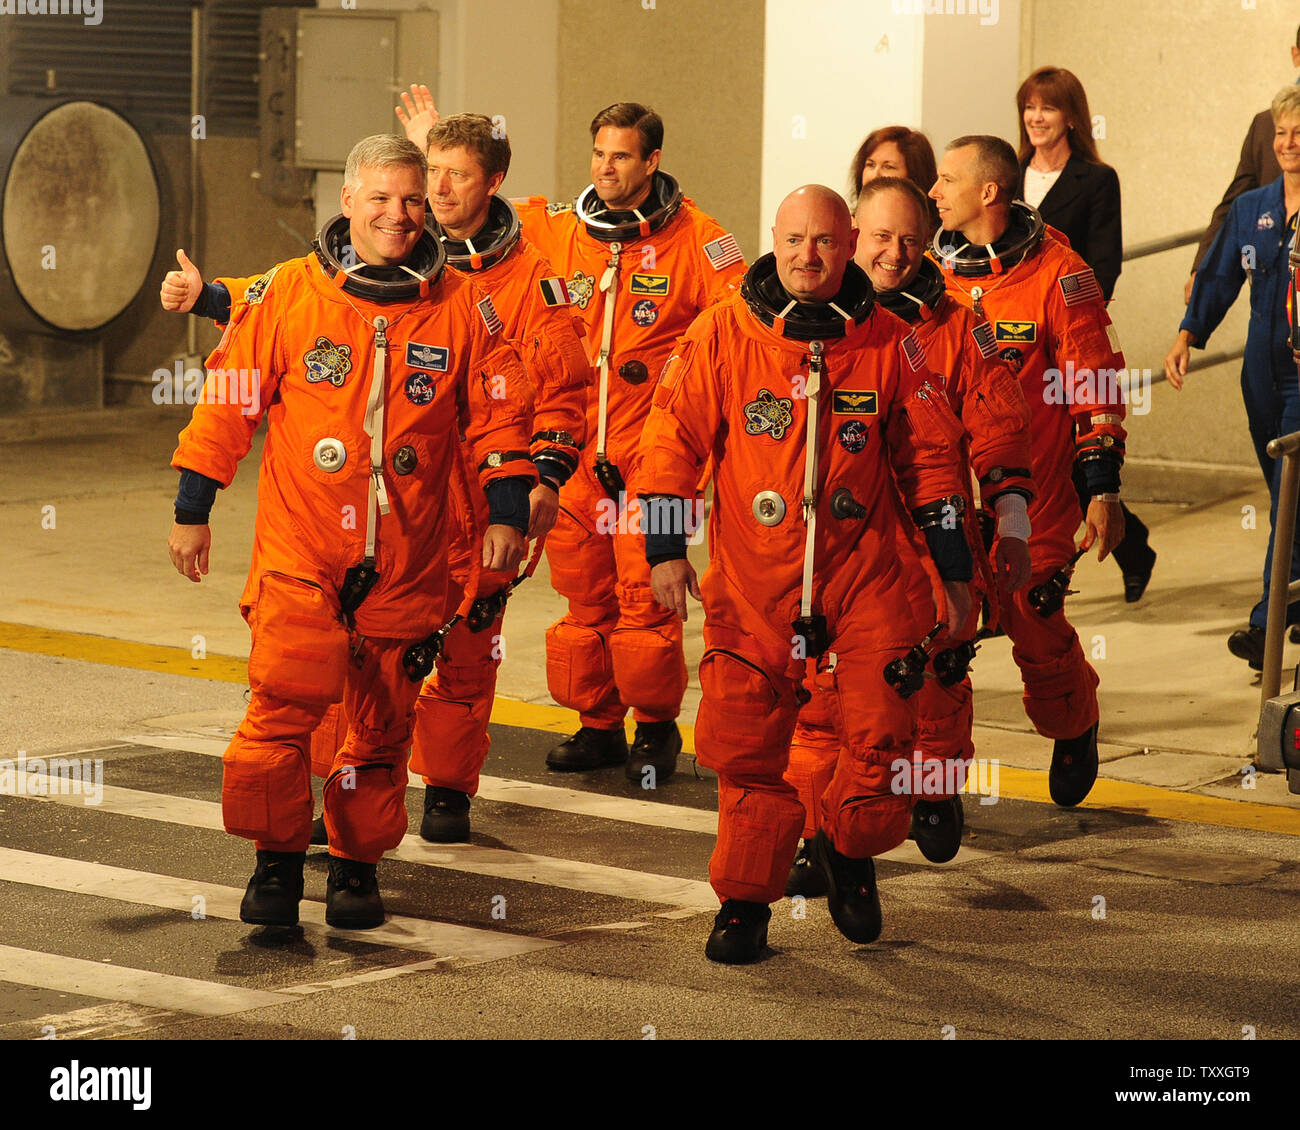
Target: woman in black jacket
{"x":1063,"y":177}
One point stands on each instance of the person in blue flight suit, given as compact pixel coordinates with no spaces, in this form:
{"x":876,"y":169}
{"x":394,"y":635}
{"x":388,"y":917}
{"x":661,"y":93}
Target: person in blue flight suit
{"x":1254,"y":243}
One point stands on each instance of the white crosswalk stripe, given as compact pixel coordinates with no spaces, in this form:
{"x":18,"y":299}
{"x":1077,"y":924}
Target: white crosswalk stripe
{"x":576,"y":802}
{"x":595,"y":878}
{"x":136,"y":986}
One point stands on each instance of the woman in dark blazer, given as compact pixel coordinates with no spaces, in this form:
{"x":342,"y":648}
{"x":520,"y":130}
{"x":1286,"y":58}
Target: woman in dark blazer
{"x":1063,"y":177}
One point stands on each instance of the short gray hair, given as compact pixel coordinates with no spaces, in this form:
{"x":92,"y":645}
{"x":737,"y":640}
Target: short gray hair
{"x":1286,"y":103}
{"x":381,"y":151}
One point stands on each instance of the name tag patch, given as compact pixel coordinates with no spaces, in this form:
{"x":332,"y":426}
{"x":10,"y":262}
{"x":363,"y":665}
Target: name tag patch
{"x":1016,"y":331}
{"x":652,"y":286}
{"x":434,"y":357}
{"x":854,"y":402}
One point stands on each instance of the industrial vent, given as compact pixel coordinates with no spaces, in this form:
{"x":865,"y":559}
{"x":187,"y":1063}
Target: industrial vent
{"x":137,"y":58}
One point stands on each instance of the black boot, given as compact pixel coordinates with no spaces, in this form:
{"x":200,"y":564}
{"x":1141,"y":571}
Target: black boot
{"x":274,"y":890}
{"x":446,"y":816}
{"x":806,"y":877}
{"x":936,"y":828}
{"x":352,"y":899}
{"x":851,"y":894}
{"x":589,"y":748}
{"x":319,"y":834}
{"x":657,"y":744}
{"x":739,"y":932}
{"x":1074,"y":768}
{"x":1248,"y":644}
{"x":1136,"y":581}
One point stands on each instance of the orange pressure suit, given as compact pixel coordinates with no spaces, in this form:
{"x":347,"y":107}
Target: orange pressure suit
{"x":365,"y":400}
{"x":1050,"y":326}
{"x":639,"y":281}
{"x":451,"y":740}
{"x":734,"y":391}
{"x":991,"y":406}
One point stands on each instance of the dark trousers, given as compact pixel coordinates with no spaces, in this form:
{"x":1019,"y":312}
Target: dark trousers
{"x":1133,"y":554}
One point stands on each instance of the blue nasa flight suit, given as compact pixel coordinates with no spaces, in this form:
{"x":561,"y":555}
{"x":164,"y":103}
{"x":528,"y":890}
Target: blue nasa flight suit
{"x":1258,"y":229}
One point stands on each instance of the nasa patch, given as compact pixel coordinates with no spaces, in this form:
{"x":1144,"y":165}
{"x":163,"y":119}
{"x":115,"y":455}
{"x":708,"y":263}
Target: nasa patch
{"x":433,"y":357}
{"x":420,"y":388}
{"x":853,"y":436}
{"x":645,"y":312}
{"x":1013,"y":357}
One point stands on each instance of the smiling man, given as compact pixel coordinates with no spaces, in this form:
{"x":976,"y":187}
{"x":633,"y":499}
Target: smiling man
{"x":893,"y":232}
{"x":814,"y":406}
{"x":366,"y":369}
{"x":641,"y":261}
{"x":1049,"y":325}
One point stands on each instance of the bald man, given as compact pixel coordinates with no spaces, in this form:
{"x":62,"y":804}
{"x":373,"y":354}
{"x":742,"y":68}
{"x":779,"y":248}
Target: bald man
{"x":814,"y":407}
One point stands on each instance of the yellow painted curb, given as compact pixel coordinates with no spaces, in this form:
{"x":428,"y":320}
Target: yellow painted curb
{"x":1013,"y":784}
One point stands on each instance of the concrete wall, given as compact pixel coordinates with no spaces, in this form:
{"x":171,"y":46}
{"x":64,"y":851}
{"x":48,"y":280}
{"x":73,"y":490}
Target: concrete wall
{"x":833,"y":72}
{"x":970,"y":65}
{"x":699,"y":63}
{"x":1177,"y":85}
{"x":241,"y":232}
{"x":494,"y":57}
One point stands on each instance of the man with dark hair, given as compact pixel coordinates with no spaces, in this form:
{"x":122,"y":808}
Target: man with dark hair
{"x":641,"y":261}
{"x":1257,"y":167}
{"x":1049,"y":324}
{"x":815,"y":409}
{"x":365,"y":372}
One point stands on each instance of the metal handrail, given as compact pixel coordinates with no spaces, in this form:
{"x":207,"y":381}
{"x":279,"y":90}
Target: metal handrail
{"x":1281,"y":591}
{"x":1167,"y":243}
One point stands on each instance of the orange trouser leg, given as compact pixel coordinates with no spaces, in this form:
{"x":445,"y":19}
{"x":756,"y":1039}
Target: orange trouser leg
{"x":365,"y":794}
{"x":296,"y":667}
{"x":646,"y":645}
{"x":742,"y":731}
{"x":1060,"y":684}
{"x":452,"y":712}
{"x":579,"y":668}
{"x":814,"y":750}
{"x":866,"y":809}
{"x":944,"y":720}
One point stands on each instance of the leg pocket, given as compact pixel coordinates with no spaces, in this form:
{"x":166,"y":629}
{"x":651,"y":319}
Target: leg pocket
{"x":300,"y":647}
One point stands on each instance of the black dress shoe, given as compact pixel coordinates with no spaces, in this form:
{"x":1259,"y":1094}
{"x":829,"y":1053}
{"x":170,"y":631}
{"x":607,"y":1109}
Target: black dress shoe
{"x":1135,"y":584}
{"x":657,"y":745}
{"x":319,"y":833}
{"x":1294,"y":634}
{"x":936,"y":828}
{"x":806,"y":877}
{"x":1074,"y":768}
{"x":589,"y":748}
{"x":446,"y":816}
{"x":1248,"y":644}
{"x":352,"y":899}
{"x":275,"y":889}
{"x":739,"y":932}
{"x":851,"y":894}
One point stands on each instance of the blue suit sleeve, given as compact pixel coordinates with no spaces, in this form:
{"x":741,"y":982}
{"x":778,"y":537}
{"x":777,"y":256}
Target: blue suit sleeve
{"x":1218,"y":281}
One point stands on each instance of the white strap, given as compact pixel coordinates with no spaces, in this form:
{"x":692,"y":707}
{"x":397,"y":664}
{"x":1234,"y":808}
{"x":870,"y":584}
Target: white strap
{"x":374,"y":428}
{"x":609,"y":288}
{"x":813,"y":390}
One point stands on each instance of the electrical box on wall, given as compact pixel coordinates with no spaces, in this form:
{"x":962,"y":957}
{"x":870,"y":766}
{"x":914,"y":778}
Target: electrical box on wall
{"x":277,"y":174}
{"x":328,"y":79}
{"x":351,"y":69}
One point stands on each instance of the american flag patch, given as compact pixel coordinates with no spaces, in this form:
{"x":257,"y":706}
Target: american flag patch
{"x":1080,"y":287}
{"x":554,"y":292}
{"x":488,"y":313}
{"x":915,"y":352}
{"x":985,"y":339}
{"x":723,"y":252}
